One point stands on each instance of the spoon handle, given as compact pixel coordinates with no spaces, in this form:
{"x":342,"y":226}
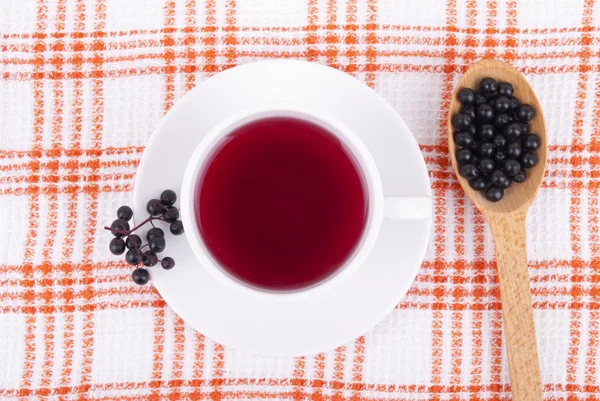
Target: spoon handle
{"x":519,"y":330}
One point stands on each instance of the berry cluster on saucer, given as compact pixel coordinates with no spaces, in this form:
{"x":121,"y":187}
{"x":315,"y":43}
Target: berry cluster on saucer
{"x":495,"y":146}
{"x":146,"y":254}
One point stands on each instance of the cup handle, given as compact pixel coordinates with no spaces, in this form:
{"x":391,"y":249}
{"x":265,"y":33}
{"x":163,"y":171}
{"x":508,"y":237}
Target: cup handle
{"x":407,"y":208}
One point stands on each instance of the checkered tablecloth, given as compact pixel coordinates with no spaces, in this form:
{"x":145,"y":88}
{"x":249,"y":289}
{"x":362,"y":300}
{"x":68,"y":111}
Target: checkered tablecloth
{"x":84,"y":83}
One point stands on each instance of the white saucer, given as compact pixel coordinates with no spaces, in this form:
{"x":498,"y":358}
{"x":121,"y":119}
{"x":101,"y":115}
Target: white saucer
{"x":288,"y":327}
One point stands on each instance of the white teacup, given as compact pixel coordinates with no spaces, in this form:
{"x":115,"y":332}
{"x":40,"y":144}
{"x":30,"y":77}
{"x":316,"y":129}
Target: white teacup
{"x":380,"y":206}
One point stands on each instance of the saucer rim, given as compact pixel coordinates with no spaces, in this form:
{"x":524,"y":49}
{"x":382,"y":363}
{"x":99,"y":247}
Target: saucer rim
{"x":401,"y":289}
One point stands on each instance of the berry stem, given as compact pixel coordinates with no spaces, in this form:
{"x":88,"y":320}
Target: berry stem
{"x":149,"y":219}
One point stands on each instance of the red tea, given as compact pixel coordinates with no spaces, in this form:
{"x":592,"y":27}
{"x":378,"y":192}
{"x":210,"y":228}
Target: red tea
{"x":281,"y":203}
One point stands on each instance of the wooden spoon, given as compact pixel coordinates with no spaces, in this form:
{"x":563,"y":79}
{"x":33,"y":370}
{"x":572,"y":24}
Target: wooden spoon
{"x":507,"y":222}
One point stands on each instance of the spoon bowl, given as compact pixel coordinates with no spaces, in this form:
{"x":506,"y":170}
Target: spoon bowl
{"x":517,"y":196}
{"x":506,"y":219}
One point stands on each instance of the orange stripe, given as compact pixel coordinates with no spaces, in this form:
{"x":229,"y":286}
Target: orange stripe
{"x":17,"y":48}
{"x":380,"y":67}
{"x":218,"y":368}
{"x":38,"y":66}
{"x":150,"y":43}
{"x":198,"y":370}
{"x":584,"y":56}
{"x":575,"y":324}
{"x":72,"y":165}
{"x":63,"y":266}
{"x":560,"y":175}
{"x":574,"y":346}
{"x":496,"y":346}
{"x":68,"y":346}
{"x":298,"y":378}
{"x":319,"y":380}
{"x":462,"y":289}
{"x":593,"y":222}
{"x":471,"y":18}
{"x":440,"y":201}
{"x":511,"y":43}
{"x":57,"y":120}
{"x":471,"y":42}
{"x":71,"y":227}
{"x":371,"y":40}
{"x":51,"y":227}
{"x":357,"y":365}
{"x":72,"y":295}
{"x":93,"y":34}
{"x":158,"y":350}
{"x":457,"y":316}
{"x":591,"y":372}
{"x":444,"y":181}
{"x":547,"y":42}
{"x":339,"y":362}
{"x":595,"y":139}
{"x":447,"y":86}
{"x":89,"y":293}
{"x":88,"y":308}
{"x":92,"y":198}
{"x":154,"y":46}
{"x":405,"y":305}
{"x":477,"y":319}
{"x":41,"y":284}
{"x":54,"y":184}
{"x":30,"y":350}
{"x":231,"y":40}
{"x":440,"y":160}
{"x":78,"y":47}
{"x":311,"y":36}
{"x":459,"y":225}
{"x":574,"y":212}
{"x":33,"y":218}
{"x":498,"y":393}
{"x":476,"y":373}
{"x":350,"y":38}
{"x":283,"y":29}
{"x":280,"y":382}
{"x":178,"y":353}
{"x":169,"y":56}
{"x":67,"y":189}
{"x":331,"y":39}
{"x":439,"y":230}
{"x":490,"y":41}
{"x":386,"y":389}
{"x":457,"y":344}
{"x":437,"y":324}
{"x":478,"y":240}
{"x":210,"y":39}
{"x":190,"y":67}
{"x":437,"y":353}
{"x":57,"y":152}
{"x":190,"y":41}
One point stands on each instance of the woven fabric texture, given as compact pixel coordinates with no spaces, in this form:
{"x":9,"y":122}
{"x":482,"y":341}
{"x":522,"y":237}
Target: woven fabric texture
{"x":84,"y":83}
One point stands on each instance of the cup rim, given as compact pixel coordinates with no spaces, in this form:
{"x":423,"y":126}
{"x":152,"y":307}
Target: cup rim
{"x":336,"y":127}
